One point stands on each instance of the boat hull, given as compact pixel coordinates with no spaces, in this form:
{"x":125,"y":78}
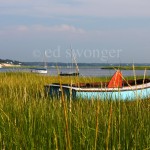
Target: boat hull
{"x":115,"y":95}
{"x":127,"y":93}
{"x":40,"y":71}
{"x":69,"y":74}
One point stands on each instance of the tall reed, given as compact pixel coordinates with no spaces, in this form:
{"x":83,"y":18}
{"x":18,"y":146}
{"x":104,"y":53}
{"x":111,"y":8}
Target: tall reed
{"x":29,"y":119}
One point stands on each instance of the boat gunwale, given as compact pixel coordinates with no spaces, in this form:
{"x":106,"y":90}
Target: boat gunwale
{"x":128,"y":88}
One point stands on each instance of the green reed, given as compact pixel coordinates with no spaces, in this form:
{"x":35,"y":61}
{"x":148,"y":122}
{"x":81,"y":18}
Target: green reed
{"x":29,"y":119}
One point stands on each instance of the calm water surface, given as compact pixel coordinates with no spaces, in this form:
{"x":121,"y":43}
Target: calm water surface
{"x":83,"y":71}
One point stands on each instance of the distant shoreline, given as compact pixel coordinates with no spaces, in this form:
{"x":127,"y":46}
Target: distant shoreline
{"x":8,"y":65}
{"x":3,"y":65}
{"x":127,"y":67}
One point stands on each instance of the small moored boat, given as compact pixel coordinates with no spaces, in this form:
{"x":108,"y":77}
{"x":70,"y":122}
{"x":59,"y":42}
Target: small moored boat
{"x":69,"y":74}
{"x":39,"y":70}
{"x":42,"y":70}
{"x":72,"y":73}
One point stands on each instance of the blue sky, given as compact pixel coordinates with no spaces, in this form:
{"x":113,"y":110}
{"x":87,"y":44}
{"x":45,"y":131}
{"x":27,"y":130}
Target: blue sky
{"x":97,"y":30}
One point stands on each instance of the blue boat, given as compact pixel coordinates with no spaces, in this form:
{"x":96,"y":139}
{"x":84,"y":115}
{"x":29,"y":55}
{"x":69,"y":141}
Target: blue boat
{"x":114,"y":90}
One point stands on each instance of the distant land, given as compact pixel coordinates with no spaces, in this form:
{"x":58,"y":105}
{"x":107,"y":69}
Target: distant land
{"x":98,"y":65}
{"x":9,"y":63}
{"x":123,"y":66}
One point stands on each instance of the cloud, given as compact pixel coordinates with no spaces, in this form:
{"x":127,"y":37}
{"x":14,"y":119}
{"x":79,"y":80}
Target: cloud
{"x":58,"y":28}
{"x":40,"y":29}
{"x":23,"y":39}
{"x":63,"y":28}
{"x":92,"y":8}
{"x":22,"y":28}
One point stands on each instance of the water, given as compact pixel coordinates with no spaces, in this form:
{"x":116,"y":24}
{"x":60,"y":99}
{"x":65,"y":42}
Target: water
{"x":96,"y":72}
{"x":100,"y":72}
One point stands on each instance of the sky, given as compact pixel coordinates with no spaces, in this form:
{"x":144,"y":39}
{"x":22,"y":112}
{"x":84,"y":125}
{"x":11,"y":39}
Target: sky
{"x":93,"y":31}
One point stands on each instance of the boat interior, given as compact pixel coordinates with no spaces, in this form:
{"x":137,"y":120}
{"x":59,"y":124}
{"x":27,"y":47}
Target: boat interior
{"x":117,"y":81}
{"x":105,"y":84}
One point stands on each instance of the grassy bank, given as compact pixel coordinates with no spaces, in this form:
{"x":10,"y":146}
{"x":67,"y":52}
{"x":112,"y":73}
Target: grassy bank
{"x":30,"y":120}
{"x":127,"y":67}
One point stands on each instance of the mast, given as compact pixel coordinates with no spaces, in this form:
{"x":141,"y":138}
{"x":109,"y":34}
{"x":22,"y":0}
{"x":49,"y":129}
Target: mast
{"x":71,"y":59}
{"x":45,"y":64}
{"x":74,"y":61}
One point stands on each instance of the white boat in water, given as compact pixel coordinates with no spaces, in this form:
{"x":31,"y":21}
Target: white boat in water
{"x":39,"y":70}
{"x":42,"y":70}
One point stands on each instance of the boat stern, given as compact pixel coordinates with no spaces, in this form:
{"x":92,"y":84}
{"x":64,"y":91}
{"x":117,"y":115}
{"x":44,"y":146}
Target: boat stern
{"x":56,"y":91}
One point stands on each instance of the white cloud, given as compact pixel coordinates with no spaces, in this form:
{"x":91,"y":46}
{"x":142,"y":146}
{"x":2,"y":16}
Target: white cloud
{"x":69,"y":28}
{"x":40,"y":29}
{"x":58,"y":28}
{"x":22,"y":28}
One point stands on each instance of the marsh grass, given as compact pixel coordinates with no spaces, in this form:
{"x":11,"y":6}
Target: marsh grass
{"x":31,"y":120}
